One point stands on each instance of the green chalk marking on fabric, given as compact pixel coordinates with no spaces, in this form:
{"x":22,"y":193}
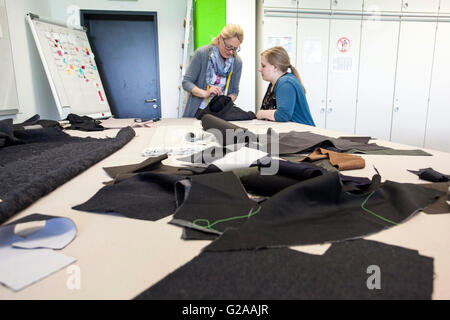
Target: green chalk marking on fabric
{"x":210,"y":225}
{"x":373,"y":213}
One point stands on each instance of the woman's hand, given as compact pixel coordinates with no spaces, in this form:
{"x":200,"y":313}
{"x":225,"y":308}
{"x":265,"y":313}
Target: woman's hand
{"x":266,"y":115}
{"x":213,"y":91}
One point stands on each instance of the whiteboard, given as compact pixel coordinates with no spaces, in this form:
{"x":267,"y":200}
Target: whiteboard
{"x":9,"y":102}
{"x":71,"y":69}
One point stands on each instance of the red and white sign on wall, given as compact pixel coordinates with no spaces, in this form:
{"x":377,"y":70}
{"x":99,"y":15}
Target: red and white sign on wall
{"x":343,"y":44}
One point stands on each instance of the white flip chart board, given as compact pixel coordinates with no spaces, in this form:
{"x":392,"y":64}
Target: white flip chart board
{"x":71,"y":68}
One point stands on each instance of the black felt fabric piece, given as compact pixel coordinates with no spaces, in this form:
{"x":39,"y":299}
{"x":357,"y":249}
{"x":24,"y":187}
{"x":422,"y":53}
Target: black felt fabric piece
{"x":145,"y":196}
{"x":30,"y":218}
{"x":36,"y":122}
{"x":147,"y":165}
{"x":432,"y":175}
{"x":48,"y":159}
{"x":296,"y":142}
{"x":263,"y":185}
{"x":362,"y":140}
{"x":151,"y":164}
{"x":224,"y":108}
{"x":193,"y":234}
{"x":7,"y":133}
{"x":318,"y":210}
{"x":225,"y":132}
{"x":285,"y":274}
{"x":215,"y":202}
{"x":84,"y":123}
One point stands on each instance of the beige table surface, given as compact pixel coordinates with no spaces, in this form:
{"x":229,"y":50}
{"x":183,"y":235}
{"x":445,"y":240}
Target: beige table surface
{"x":118,"y":258}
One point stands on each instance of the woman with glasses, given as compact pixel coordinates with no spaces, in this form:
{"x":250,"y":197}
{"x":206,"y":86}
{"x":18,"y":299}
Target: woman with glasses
{"x":215,"y":70}
{"x":285,"y":98}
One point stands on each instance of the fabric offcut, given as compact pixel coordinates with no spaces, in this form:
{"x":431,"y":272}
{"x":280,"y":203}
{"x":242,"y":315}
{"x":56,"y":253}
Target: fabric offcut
{"x":432,"y":175}
{"x":341,"y":161}
{"x":29,"y":255}
{"x":226,"y":133}
{"x":48,"y":158}
{"x":441,"y":205}
{"x":151,"y":164}
{"x":145,"y":196}
{"x":84,"y":123}
{"x":294,"y":142}
{"x":224,"y":108}
{"x":318,"y":210}
{"x":212,"y":202}
{"x":284,"y":274}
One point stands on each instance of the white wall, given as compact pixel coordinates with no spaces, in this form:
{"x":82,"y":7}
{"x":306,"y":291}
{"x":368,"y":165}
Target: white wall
{"x":243,"y":13}
{"x":33,"y":90}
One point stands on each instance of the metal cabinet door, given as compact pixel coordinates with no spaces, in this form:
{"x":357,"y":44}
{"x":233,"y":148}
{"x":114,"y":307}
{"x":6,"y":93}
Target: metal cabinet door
{"x":428,"y":6}
{"x":437,"y":134}
{"x":412,"y":86}
{"x":376,"y":82}
{"x":312,"y":64}
{"x":343,"y":75}
{"x":383,"y":5}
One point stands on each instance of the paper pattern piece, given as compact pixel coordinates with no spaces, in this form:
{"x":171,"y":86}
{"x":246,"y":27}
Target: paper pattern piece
{"x":242,"y":158}
{"x":25,"y":260}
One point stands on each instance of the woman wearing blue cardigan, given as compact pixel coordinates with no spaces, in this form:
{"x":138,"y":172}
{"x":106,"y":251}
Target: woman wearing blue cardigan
{"x":215,"y":70}
{"x":285,"y":98}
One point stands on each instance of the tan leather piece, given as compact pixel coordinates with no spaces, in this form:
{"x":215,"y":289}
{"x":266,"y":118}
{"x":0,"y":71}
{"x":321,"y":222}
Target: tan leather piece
{"x":342,"y":161}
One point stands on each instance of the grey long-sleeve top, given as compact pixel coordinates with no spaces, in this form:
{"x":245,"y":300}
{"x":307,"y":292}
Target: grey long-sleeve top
{"x":196,"y":76}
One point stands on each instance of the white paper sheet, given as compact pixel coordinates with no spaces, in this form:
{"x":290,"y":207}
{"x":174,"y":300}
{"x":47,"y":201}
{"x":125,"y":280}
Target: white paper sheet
{"x":242,"y":158}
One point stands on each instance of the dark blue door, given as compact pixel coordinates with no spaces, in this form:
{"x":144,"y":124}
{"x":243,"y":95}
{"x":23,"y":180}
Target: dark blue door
{"x":125,"y":46}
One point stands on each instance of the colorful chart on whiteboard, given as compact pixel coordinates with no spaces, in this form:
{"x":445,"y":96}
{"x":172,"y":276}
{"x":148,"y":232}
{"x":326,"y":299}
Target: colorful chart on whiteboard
{"x":71,"y":69}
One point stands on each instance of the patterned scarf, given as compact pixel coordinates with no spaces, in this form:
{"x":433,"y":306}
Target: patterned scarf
{"x":217,"y":71}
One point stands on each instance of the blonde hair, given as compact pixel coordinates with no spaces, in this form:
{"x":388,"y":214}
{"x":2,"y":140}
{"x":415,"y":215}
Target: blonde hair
{"x":278,"y":56}
{"x":229,"y":31}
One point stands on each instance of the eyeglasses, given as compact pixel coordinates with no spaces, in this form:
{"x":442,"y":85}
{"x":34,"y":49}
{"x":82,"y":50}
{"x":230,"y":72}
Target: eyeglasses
{"x":230,"y":48}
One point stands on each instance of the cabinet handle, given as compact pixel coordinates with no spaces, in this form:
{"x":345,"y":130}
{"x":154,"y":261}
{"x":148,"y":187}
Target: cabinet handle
{"x":396,"y":109}
{"x":335,"y":2}
{"x":322,"y":110}
{"x":149,"y":100}
{"x":330,"y":110}
{"x":405,"y":5}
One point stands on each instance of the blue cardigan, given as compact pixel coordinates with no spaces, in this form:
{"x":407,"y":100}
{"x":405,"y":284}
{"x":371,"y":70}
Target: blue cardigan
{"x":291,"y":101}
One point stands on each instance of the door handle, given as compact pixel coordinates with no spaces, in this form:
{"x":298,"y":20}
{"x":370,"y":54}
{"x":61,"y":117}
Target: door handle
{"x":150,"y":100}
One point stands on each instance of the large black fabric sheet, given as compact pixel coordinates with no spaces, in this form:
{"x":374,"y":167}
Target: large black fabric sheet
{"x":213,"y":203}
{"x":282,"y":274}
{"x":145,"y":196}
{"x":47,"y":158}
{"x":297,"y":142}
{"x":318,"y":210}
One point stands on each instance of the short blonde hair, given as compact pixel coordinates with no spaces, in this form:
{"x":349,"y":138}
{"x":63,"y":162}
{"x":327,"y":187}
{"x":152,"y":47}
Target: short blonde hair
{"x":229,"y":31}
{"x":278,"y":56}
